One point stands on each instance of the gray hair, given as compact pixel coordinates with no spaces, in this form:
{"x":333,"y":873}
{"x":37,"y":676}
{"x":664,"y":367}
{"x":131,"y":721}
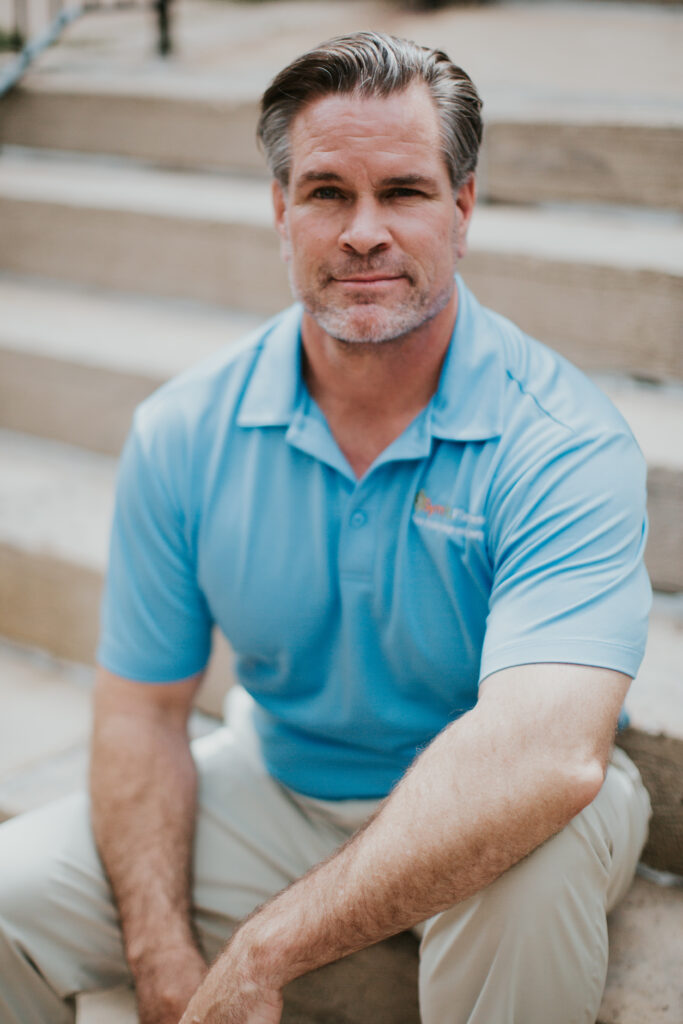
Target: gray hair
{"x":373,"y":64}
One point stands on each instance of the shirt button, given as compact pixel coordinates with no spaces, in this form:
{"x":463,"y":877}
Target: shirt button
{"x":358,"y":519}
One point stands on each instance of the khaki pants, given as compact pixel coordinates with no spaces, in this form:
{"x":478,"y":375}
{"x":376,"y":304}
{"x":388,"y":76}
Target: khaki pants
{"x":529,"y":949}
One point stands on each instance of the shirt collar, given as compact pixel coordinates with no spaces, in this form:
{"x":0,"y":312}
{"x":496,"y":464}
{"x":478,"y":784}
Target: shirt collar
{"x":467,"y":405}
{"x":275,"y":386}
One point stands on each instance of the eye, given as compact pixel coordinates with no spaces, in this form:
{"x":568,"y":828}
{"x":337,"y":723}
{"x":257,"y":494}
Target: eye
{"x":403,"y":192}
{"x":326,"y":192}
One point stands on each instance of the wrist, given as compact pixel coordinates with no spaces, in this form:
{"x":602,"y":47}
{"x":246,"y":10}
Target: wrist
{"x":146,"y":951}
{"x":261,"y":956}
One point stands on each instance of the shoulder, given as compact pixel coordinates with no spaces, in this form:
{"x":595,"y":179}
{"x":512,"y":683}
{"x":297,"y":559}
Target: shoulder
{"x":560,"y":441}
{"x":548,"y":405}
{"x":543,"y":389}
{"x":184,"y":429}
{"x":202,"y":401}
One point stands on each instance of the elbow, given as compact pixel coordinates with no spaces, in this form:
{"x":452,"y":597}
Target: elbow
{"x":584,"y":783}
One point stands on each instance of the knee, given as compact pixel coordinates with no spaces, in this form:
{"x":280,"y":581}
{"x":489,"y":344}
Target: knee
{"x":34,"y":862}
{"x":532,"y":941}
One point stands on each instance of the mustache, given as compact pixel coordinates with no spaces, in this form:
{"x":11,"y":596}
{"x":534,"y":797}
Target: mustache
{"x":360,"y":266}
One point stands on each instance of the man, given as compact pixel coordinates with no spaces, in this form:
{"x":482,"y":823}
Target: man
{"x":422,"y":533}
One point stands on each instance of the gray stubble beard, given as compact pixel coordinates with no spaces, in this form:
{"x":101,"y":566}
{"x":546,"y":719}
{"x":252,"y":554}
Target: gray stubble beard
{"x":392,"y":323}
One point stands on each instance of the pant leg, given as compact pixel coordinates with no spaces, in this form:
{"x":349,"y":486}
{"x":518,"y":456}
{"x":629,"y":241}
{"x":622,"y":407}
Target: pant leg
{"x":58,"y":927}
{"x":532,"y":947}
{"x":254,"y":837}
{"x":59,"y":932}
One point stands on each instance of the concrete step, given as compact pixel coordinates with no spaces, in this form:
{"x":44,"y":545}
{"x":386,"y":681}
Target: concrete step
{"x":604,"y":286}
{"x":655,"y":739}
{"x":603,"y":135}
{"x":655,"y":415}
{"x":75,"y":363}
{"x":45,"y":727}
{"x":55,"y":511}
{"x":380,"y":983}
{"x":532,"y":158}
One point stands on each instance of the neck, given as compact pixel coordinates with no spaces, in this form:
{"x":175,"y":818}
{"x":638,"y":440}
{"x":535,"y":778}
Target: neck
{"x":377,"y":380}
{"x":370,"y":392}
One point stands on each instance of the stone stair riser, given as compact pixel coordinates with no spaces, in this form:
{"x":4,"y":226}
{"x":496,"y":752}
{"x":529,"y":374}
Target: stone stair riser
{"x":601,"y":317}
{"x":90,"y":406}
{"x":173,"y":132}
{"x":49,"y":602}
{"x":524,"y":161}
{"x":665,"y":541}
{"x":234,"y":264}
{"x":660,"y":762}
{"x":630,"y":164}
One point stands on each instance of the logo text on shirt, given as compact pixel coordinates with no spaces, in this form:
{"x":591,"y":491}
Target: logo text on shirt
{"x":448,"y":519}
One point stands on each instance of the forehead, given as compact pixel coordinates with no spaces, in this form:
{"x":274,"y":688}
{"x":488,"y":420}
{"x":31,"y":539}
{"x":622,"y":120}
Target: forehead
{"x":398,"y":128}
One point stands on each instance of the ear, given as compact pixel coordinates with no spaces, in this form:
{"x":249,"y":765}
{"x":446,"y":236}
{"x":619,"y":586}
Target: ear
{"x":465,"y":199}
{"x":281,"y":219}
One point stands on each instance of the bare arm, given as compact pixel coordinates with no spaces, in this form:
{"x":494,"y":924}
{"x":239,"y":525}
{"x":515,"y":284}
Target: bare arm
{"x":488,"y":790}
{"x":143,"y":786}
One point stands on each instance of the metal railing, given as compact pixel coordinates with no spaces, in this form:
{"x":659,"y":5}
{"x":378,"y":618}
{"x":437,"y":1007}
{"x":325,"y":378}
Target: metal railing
{"x":61,"y":16}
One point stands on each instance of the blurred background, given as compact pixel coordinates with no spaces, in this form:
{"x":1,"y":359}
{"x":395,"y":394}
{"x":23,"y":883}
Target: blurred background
{"x":135,"y":238}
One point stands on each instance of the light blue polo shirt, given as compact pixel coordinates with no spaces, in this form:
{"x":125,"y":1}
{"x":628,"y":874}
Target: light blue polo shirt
{"x":505,"y":526}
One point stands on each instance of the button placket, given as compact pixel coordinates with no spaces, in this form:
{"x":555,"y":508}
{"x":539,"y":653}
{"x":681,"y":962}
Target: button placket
{"x":357,"y":541}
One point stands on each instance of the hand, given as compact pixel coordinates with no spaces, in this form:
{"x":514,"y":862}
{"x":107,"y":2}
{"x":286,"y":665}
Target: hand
{"x":165,"y":983}
{"x":230,"y":995}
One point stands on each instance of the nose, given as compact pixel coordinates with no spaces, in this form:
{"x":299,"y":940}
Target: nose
{"x":365,"y":230}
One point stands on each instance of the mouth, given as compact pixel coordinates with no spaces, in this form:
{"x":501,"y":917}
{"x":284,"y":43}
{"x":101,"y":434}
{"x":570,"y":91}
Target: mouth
{"x":369,"y":279}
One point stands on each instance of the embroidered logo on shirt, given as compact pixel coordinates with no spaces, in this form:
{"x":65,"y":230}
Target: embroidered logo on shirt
{"x":454,"y":521}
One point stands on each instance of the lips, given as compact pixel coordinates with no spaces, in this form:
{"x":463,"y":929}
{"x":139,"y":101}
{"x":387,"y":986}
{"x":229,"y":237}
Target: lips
{"x":372,"y":279}
{"x":367,"y":280}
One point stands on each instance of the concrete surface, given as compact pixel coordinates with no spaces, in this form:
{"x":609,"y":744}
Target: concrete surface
{"x":605,"y":289}
{"x":46,"y":718}
{"x":521,"y":161}
{"x":74,"y":364}
{"x":655,"y":699}
{"x":510,"y":50}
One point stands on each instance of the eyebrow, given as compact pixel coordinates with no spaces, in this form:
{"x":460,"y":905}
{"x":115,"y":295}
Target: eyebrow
{"x":400,"y":180}
{"x":411,"y":179}
{"x":311,"y":176}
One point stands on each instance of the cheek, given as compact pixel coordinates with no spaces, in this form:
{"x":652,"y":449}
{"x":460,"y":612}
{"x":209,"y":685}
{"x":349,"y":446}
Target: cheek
{"x":309,"y":241}
{"x":435,"y":252}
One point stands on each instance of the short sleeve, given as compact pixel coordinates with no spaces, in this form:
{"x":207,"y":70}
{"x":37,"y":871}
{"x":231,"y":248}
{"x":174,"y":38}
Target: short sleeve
{"x":566,"y":543}
{"x":155,"y":625}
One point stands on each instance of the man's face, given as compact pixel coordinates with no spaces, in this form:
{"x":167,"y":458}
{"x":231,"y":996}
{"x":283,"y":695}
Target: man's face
{"x":370,"y":226}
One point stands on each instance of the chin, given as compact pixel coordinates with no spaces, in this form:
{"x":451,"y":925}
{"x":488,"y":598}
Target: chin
{"x":373,"y":323}
{"x":366,"y":326}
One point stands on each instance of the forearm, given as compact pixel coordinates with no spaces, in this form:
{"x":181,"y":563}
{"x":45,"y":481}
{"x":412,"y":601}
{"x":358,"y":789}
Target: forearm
{"x":436,"y":841}
{"x":143,"y":792}
{"x":485,"y":793}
